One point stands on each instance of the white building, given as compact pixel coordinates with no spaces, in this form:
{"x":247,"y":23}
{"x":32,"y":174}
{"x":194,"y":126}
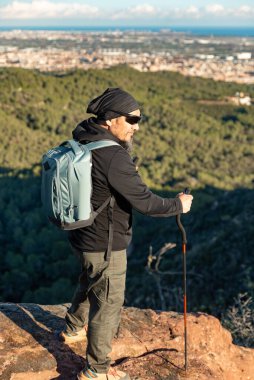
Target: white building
{"x":243,"y":55}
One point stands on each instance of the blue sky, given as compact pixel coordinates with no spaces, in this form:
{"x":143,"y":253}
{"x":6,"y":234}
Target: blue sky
{"x":126,"y":12}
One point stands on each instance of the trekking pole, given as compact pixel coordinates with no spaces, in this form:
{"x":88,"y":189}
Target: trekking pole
{"x":184,"y":242}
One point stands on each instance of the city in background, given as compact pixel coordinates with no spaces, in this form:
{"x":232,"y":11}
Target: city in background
{"x":226,"y":58}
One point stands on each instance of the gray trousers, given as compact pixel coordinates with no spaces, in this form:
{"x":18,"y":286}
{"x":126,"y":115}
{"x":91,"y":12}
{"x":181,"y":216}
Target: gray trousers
{"x":98,"y":303}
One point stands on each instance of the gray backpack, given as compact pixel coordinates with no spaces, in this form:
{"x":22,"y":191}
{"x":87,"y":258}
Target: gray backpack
{"x":67,"y":184}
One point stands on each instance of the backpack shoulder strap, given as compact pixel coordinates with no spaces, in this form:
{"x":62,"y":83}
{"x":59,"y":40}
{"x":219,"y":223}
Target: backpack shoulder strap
{"x":75,"y":146}
{"x":111,"y":227}
{"x":110,"y":200}
{"x":99,"y":275}
{"x":100,"y":144}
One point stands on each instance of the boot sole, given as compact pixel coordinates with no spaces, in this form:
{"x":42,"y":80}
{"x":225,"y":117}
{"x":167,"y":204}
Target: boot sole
{"x":81,"y":377}
{"x":69,"y":340}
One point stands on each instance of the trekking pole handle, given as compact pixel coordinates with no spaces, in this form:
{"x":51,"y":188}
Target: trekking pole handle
{"x":178,"y":220}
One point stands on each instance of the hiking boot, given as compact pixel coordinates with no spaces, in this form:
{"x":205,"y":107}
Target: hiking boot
{"x":74,"y":336}
{"x":113,"y":374}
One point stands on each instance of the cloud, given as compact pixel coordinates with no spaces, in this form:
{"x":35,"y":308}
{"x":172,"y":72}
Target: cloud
{"x":46,"y":9}
{"x":218,"y":10}
{"x":193,"y":11}
{"x":244,"y":11}
{"x":77,"y":9}
{"x":214,"y":8}
{"x":211,"y":11}
{"x":141,"y":10}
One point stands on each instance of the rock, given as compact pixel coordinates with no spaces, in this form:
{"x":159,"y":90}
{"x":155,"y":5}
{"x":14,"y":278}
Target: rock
{"x":149,"y":346}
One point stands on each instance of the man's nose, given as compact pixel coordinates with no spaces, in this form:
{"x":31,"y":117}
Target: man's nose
{"x":135,"y":127}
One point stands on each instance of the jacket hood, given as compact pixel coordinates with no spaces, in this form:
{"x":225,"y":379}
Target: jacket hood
{"x":88,"y":130}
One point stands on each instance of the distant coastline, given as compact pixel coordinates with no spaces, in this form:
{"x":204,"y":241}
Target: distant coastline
{"x":192,"y":30}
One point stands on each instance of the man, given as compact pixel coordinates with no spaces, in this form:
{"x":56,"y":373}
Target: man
{"x":99,"y":297}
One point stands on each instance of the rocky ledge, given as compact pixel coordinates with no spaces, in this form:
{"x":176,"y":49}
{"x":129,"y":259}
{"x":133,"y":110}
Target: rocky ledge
{"x":149,"y":346}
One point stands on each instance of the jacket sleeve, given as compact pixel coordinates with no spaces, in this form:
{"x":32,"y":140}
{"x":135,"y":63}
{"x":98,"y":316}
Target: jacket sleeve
{"x":124,"y":178}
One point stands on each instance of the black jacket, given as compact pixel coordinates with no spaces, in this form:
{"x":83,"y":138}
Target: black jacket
{"x":113,"y":171}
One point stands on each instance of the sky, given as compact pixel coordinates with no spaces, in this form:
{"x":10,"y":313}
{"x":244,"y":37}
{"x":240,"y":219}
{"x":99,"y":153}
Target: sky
{"x":126,"y":13}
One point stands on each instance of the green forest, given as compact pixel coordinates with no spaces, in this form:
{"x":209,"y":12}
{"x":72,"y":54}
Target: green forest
{"x":190,"y":136}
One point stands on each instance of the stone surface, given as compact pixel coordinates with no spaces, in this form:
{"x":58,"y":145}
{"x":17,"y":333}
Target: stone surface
{"x":150,"y":346}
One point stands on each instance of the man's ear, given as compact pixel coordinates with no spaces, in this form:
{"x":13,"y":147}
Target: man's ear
{"x":108,"y":123}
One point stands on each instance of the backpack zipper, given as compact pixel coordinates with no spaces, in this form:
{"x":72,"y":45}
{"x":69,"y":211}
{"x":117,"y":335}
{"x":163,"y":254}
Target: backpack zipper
{"x":59,"y":198}
{"x":71,"y":206}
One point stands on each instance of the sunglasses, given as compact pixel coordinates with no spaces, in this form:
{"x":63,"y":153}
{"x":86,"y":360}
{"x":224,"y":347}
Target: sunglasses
{"x":131,"y":119}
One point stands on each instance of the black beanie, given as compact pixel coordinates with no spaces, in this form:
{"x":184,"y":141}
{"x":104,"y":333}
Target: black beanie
{"x":111,"y":103}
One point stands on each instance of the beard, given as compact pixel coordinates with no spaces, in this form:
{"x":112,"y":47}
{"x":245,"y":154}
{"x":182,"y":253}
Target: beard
{"x":127,"y":145}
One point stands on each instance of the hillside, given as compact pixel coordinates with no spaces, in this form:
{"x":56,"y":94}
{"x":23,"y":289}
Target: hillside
{"x":149,"y":346}
{"x":180,"y":143}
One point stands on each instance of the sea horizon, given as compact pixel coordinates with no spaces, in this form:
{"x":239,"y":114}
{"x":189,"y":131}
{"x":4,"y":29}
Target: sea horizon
{"x":240,"y":31}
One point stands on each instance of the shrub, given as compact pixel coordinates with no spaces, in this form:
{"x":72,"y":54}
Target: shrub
{"x":239,"y":319}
